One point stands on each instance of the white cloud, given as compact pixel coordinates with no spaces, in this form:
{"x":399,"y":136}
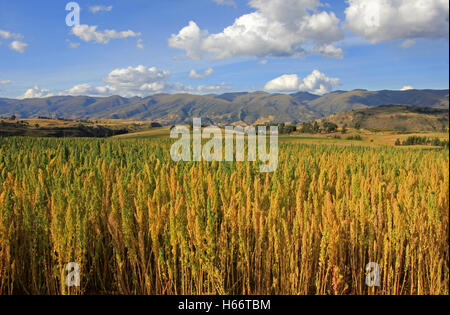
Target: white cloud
{"x":263,"y":62}
{"x":140,"y":81}
{"x":329,"y":51}
{"x":316,"y":83}
{"x":18,"y":46}
{"x":225,"y":2}
{"x":135,"y":79}
{"x":276,"y":28}
{"x":9,"y":35}
{"x":86,"y":89}
{"x":190,"y":38}
{"x":407,"y":43}
{"x":99,"y":8}
{"x":140,"y":44}
{"x":209,"y":88}
{"x":5,"y":82}
{"x":285,"y":83}
{"x":385,"y":20}
{"x":407,"y":87}
{"x":194,"y":75}
{"x":89,"y":33}
{"x":36,"y":92}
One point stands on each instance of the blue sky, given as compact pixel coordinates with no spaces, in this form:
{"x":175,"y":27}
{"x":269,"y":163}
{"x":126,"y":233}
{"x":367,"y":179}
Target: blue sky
{"x":286,"y":46}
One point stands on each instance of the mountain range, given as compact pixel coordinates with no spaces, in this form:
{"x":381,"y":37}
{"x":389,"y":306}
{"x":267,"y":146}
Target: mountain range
{"x":249,"y":108}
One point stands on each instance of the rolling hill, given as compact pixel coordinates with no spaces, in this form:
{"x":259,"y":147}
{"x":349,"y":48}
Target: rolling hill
{"x":394,"y":117}
{"x":340,"y":101}
{"x":220,"y":109}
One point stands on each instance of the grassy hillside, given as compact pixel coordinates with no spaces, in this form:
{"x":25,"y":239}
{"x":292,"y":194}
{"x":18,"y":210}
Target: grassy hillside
{"x":65,"y":128}
{"x":339,"y":101}
{"x":392,"y":117}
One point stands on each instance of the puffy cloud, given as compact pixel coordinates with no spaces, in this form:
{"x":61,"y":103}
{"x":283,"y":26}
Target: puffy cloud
{"x":407,"y":87}
{"x":89,"y":33}
{"x":190,"y":39}
{"x":18,"y":46}
{"x":385,"y":20}
{"x":86,"y":89}
{"x":194,"y":75}
{"x":139,"y":76}
{"x":285,"y":83}
{"x":275,"y":28}
{"x":140,"y":81}
{"x":329,"y":51}
{"x":99,"y":8}
{"x":225,"y":2}
{"x":36,"y":92}
{"x":316,"y":83}
{"x":263,"y":62}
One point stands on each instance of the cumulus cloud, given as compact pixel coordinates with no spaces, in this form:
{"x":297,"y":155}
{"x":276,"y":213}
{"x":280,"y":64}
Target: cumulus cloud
{"x":407,"y":87}
{"x":385,"y":20}
{"x":140,"y":81}
{"x":284,"y":83}
{"x":99,"y":8}
{"x":18,"y":46}
{"x":36,"y":92}
{"x":89,"y":33}
{"x":263,"y":62}
{"x":276,"y":28}
{"x":316,"y":83}
{"x":225,"y":2}
{"x":328,"y":51}
{"x":194,"y":75}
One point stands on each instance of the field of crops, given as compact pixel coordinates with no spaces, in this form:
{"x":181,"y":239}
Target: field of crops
{"x":138,"y":223}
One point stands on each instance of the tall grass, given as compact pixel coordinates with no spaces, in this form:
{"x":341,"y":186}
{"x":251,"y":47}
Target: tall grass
{"x":138,"y":223}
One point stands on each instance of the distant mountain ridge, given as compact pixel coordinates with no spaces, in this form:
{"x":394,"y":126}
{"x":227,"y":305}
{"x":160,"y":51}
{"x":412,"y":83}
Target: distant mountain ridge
{"x":222,"y":109}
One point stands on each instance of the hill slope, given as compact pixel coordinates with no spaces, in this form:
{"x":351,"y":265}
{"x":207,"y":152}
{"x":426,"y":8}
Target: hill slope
{"x":220,"y":109}
{"x":339,"y":101}
{"x":394,"y":117}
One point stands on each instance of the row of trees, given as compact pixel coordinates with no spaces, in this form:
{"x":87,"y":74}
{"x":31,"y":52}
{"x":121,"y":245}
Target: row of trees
{"x":416,"y":140}
{"x":324,"y":127}
{"x":282,"y":128}
{"x":12,"y":117}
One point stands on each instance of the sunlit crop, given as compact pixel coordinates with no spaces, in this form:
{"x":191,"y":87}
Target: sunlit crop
{"x":138,"y":223}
